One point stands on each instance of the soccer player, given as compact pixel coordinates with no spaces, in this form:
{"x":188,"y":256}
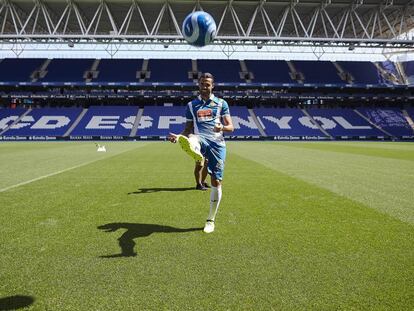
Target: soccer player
{"x":208,"y":117}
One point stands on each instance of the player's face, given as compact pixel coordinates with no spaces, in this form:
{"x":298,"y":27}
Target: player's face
{"x":206,"y":86}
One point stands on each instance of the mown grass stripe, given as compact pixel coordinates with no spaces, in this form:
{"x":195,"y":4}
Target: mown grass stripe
{"x":384,"y":184}
{"x":66,"y":169}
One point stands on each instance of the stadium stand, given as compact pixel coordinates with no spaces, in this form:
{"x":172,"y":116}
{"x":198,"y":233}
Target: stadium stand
{"x":160,"y":120}
{"x":224,"y":71}
{"x":244,"y":123}
{"x":321,"y":72}
{"x":344,"y":123}
{"x":169,"y":70}
{"x":45,"y":122}
{"x":8,"y":116}
{"x":186,"y":71}
{"x":269,"y":71}
{"x":119,"y":122}
{"x":286,"y":122}
{"x":106,"y":121}
{"x":390,"y":72}
{"x":361,"y":72}
{"x":246,"y":84}
{"x":390,"y":120}
{"x":67,"y":70}
{"x":119,"y":70}
{"x":18,"y":69}
{"x":410,"y":112}
{"x":408,"y":68}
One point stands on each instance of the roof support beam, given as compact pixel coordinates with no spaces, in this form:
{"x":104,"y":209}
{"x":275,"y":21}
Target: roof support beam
{"x":142,"y":17}
{"x":300,"y":21}
{"x":320,"y":19}
{"x":158,"y":21}
{"x":177,"y":27}
{"x":111,"y":18}
{"x":127,"y":20}
{"x":361,"y":24}
{"x":402,"y":21}
{"x":268,"y":20}
{"x":252,"y":19}
{"x":125,"y":24}
{"x":98,"y":21}
{"x":78,"y":17}
{"x":282,"y":22}
{"x":312,"y":23}
{"x":67,"y":20}
{"x":6,"y":12}
{"x":345,"y":23}
{"x":391,"y":28}
{"x":236,"y":20}
{"x":331,"y":23}
{"x":222,"y":18}
{"x":16,"y":16}
{"x":61,"y":18}
{"x":324,"y":25}
{"x":96,"y":16}
{"x":3,"y":5}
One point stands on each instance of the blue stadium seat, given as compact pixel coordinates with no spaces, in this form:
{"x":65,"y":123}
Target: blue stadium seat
{"x":269,"y":71}
{"x":45,"y":121}
{"x":410,"y":112}
{"x":226,"y":71}
{"x":390,"y":119}
{"x":160,"y":121}
{"x":118,"y":70}
{"x":363,"y":72}
{"x":318,"y":72}
{"x":244,"y":124}
{"x":169,"y":70}
{"x":67,"y":70}
{"x":18,"y":69}
{"x":343,"y":122}
{"x":409,"y":71}
{"x":392,"y":72}
{"x":286,"y":121}
{"x":106,"y":120}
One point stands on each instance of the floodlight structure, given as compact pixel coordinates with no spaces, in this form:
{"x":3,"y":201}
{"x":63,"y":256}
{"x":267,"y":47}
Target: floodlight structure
{"x":325,"y":23}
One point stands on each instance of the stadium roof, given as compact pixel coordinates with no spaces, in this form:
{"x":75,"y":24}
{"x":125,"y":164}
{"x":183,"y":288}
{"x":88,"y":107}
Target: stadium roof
{"x":370,"y":23}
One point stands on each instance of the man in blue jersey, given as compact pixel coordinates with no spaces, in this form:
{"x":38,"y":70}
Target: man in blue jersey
{"x":207,"y":117}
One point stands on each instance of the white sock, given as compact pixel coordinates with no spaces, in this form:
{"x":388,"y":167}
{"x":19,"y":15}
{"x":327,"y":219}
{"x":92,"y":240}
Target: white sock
{"x":215,"y":198}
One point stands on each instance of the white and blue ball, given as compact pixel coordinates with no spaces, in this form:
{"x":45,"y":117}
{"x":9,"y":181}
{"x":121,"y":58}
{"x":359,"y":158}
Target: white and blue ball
{"x":199,"y":28}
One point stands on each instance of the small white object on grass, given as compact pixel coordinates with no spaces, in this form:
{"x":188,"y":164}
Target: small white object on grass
{"x":100,"y":148}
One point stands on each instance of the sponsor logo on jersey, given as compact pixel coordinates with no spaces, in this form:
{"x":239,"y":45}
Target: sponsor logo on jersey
{"x":204,"y":115}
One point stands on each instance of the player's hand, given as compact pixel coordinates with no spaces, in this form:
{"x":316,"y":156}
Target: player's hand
{"x":218,"y":127}
{"x":172,"y":137}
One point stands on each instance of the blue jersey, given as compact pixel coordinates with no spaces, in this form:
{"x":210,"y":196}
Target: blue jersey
{"x":205,"y":114}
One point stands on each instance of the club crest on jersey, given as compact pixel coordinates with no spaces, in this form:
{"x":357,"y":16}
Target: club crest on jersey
{"x":205,"y":115}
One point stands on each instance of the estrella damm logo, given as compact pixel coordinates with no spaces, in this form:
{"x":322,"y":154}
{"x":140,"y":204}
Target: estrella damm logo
{"x":205,"y":115}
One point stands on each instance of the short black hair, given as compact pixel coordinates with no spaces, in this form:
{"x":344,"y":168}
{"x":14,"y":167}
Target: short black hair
{"x":206,"y":75}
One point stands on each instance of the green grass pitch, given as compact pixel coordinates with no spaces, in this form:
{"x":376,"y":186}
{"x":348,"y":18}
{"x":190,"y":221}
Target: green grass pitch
{"x":301,"y":226}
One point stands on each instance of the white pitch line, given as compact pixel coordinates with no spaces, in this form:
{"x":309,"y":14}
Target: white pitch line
{"x":56,"y":173}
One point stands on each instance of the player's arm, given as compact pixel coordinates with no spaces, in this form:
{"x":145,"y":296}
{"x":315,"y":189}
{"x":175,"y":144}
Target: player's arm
{"x":189,"y":126}
{"x":225,"y":126}
{"x":187,"y":131}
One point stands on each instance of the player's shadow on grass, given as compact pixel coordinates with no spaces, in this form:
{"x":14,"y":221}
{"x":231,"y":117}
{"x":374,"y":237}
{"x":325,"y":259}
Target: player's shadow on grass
{"x":15,"y":302}
{"x":150,"y":190}
{"x":126,"y":241}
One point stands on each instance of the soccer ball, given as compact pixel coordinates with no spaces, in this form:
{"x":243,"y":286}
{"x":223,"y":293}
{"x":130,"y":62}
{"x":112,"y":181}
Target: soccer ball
{"x":199,"y":28}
